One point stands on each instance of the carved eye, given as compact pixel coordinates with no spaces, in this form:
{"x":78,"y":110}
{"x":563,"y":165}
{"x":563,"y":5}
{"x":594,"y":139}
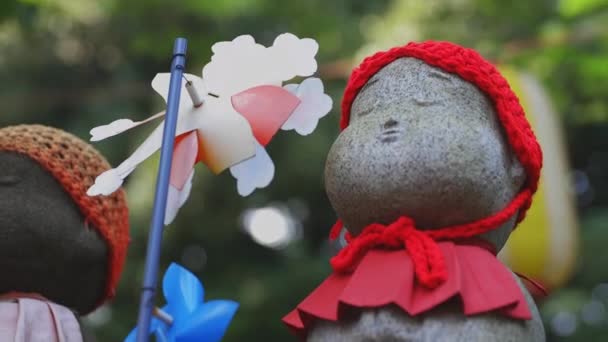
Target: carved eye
{"x":425,"y":102}
{"x":369,"y":83}
{"x":365,"y":112}
{"x":8,"y":180}
{"x":366,"y":87}
{"x":440,"y":75}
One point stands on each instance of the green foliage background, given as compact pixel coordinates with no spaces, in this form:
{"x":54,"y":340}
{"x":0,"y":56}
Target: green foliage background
{"x":78,"y":64}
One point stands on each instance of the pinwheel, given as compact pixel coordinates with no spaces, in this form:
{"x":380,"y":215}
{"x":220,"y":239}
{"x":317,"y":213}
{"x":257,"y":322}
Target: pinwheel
{"x":226,"y":121}
{"x":186,"y":317}
{"x":231,"y":115}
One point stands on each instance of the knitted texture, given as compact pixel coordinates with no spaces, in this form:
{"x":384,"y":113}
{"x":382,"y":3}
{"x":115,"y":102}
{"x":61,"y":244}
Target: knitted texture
{"x":75,"y":164}
{"x":471,"y":67}
{"x":426,"y":256}
{"x":429,"y":263}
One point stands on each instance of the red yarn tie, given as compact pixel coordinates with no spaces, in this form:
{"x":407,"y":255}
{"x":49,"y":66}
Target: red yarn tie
{"x":335,"y":230}
{"x":429,"y":263}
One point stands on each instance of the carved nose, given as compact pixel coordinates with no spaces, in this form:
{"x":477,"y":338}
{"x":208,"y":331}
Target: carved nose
{"x":390,"y":124}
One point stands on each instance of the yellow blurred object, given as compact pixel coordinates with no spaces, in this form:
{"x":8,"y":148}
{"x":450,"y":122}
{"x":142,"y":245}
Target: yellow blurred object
{"x":545,"y":245}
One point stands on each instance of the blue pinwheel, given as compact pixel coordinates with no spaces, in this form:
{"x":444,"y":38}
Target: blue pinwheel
{"x":186,"y":317}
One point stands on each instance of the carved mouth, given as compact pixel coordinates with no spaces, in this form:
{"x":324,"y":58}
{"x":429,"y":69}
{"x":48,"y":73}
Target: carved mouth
{"x":389,"y":135}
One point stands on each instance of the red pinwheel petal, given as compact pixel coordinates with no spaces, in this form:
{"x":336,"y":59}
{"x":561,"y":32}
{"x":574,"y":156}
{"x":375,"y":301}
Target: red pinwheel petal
{"x":266,"y":108}
{"x":184,"y":157}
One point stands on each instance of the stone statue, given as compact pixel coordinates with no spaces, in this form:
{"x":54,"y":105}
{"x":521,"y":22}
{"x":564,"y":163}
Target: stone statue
{"x":426,"y":135}
{"x":61,"y":252}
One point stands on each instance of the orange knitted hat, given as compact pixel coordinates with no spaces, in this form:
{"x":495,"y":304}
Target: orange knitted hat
{"x":75,"y":164}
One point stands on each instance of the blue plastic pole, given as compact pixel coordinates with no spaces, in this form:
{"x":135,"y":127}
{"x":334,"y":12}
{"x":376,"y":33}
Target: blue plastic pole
{"x":162,"y":188}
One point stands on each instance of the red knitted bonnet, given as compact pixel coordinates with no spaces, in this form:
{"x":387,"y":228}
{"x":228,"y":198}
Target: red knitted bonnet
{"x":471,"y":67}
{"x":75,"y":164}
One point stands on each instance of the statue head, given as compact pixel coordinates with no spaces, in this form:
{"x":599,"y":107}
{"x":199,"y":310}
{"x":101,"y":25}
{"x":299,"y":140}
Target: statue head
{"x":424,"y":142}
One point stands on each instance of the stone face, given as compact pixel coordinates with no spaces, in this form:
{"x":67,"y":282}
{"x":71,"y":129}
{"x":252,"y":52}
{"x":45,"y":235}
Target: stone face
{"x":422,"y":143}
{"x":426,"y":144}
{"x":45,"y":245}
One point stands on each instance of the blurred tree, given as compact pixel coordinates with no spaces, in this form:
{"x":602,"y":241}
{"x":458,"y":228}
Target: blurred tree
{"x":78,"y":64}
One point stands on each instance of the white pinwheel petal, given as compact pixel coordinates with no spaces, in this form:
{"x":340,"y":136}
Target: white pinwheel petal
{"x":292,"y":56}
{"x":254,"y":173}
{"x":106,"y":183}
{"x":315,"y":105}
{"x":119,"y":126}
{"x":242,"y":63}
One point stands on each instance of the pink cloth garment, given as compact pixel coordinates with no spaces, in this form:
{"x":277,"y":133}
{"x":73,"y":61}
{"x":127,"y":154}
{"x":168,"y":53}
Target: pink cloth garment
{"x":34,"y":320}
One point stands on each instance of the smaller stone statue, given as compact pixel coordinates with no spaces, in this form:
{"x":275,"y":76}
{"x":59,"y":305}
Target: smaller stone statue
{"x":61,"y":251}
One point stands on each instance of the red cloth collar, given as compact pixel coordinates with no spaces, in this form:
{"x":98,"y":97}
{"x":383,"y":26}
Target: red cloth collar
{"x":477,"y":280}
{"x":416,"y":270}
{"x":429,"y":264}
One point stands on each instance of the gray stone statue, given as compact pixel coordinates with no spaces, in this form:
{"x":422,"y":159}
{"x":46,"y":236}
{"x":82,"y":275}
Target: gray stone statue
{"x":425,"y":143}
